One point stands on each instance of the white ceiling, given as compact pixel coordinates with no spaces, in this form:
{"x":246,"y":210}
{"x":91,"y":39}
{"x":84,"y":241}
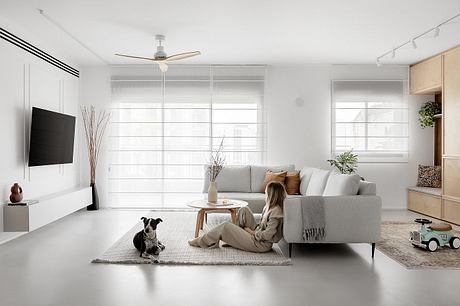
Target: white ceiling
{"x":240,"y":32}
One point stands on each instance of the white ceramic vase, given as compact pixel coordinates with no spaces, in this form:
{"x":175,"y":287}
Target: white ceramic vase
{"x":212,"y":192}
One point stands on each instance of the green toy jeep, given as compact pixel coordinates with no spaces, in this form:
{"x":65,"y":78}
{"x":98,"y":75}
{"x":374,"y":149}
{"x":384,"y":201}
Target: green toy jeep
{"x":433,"y":236}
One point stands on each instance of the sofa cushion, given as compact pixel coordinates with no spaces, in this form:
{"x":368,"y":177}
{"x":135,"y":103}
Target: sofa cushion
{"x":273,"y":176}
{"x":317,"y":182}
{"x":342,"y":184}
{"x":292,"y":182}
{"x":305,"y":176}
{"x":367,"y":188}
{"x":231,"y":179}
{"x":258,"y":174}
{"x":256,"y":200}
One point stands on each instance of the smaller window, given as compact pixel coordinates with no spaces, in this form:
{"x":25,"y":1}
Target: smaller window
{"x":371,"y":118}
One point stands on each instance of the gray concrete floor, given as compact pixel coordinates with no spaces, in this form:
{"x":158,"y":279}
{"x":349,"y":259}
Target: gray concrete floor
{"x":51,"y":266}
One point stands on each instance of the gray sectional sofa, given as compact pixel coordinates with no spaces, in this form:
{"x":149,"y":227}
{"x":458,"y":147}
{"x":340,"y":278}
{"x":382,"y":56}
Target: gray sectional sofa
{"x":352,"y":210}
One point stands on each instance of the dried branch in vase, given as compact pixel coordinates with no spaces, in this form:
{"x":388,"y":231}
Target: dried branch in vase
{"x":95,"y":126}
{"x":216,"y":163}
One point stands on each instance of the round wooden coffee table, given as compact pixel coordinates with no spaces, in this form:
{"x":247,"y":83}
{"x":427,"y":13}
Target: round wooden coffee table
{"x":222,"y":205}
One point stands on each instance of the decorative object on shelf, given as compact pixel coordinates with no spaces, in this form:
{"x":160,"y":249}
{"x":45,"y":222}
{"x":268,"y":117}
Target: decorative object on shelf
{"x":216,"y":165}
{"x":346,"y":162}
{"x":95,"y":125}
{"x":16,"y":193}
{"x":427,"y":113}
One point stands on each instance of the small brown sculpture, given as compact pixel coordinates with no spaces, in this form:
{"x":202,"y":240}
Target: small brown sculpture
{"x":16,"y":193}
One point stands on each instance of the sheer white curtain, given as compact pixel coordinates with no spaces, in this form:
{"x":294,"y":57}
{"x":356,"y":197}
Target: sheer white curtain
{"x":164,"y":127}
{"x":371,"y":117}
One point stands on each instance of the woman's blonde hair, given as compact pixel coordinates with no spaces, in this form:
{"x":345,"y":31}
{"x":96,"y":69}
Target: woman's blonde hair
{"x":275,"y":194}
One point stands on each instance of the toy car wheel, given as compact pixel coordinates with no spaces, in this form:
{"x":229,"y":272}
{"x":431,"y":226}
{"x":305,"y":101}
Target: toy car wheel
{"x":454,"y":242}
{"x":432,"y":245}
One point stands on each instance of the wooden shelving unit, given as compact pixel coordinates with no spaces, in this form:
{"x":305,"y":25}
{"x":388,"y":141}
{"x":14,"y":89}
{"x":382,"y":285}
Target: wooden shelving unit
{"x":440,"y":75}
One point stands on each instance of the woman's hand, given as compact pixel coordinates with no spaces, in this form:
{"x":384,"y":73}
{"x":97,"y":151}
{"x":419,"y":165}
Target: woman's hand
{"x":249,"y":230}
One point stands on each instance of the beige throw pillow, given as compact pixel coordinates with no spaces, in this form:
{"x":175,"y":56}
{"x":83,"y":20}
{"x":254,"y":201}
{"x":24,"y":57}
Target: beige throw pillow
{"x":273,"y":176}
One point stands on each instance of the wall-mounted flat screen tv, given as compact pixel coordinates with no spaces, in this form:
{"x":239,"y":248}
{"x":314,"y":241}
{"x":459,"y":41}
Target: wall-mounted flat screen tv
{"x":51,"y":138}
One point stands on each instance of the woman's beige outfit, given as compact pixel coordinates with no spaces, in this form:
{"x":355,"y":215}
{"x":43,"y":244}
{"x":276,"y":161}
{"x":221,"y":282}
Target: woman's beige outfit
{"x":269,"y":231}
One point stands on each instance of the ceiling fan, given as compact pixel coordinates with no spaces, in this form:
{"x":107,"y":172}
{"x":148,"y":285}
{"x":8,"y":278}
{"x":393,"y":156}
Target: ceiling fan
{"x":160,"y":57}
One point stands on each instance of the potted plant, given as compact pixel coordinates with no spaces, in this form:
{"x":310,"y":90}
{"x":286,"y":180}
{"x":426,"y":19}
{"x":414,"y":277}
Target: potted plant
{"x":216,"y":165}
{"x":346,"y":162}
{"x":427,"y":113}
{"x":95,"y":125}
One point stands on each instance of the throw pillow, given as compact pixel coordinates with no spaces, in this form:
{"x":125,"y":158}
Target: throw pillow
{"x":317,"y":182}
{"x":273,"y":176}
{"x":292,"y":182}
{"x":305,"y":176}
{"x":429,"y":176}
{"x":342,"y":184}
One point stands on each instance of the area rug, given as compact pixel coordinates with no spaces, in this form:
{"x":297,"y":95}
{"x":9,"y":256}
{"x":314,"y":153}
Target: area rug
{"x":396,"y":245}
{"x":174,"y":233}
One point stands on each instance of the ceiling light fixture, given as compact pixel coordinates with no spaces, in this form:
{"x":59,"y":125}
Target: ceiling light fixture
{"x":435,"y":30}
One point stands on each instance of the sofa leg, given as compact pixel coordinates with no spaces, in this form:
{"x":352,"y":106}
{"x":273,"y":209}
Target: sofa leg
{"x":373,"y":249}
{"x":290,"y":249}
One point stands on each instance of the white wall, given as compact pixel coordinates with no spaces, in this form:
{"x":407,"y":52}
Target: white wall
{"x":95,"y":90}
{"x":302,"y":135}
{"x":28,"y":81}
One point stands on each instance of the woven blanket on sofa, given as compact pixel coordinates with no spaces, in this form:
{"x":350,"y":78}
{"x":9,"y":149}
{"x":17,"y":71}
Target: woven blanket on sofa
{"x":314,"y":222}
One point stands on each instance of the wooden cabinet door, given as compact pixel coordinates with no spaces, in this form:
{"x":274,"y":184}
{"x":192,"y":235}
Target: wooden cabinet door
{"x":426,"y":76}
{"x":426,"y":204}
{"x":451,"y":111}
{"x":451,"y":177}
{"x":451,"y":211}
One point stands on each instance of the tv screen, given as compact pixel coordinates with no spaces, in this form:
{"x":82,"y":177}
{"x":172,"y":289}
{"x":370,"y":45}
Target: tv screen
{"x":51,"y":138}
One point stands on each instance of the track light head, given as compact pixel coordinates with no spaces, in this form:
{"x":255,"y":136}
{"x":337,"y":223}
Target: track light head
{"x":377,"y":62}
{"x":436,"y":31}
{"x":414,"y":45}
{"x":393,"y":53}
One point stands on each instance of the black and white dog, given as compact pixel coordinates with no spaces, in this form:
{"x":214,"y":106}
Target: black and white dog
{"x":146,"y":241}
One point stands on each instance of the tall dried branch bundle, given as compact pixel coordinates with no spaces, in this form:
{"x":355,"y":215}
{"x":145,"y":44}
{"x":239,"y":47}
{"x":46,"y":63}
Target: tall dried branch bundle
{"x":95,"y":125}
{"x":216,"y":163}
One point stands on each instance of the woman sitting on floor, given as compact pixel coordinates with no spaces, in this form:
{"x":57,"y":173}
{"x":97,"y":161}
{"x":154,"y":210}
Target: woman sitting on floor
{"x":246,"y":235}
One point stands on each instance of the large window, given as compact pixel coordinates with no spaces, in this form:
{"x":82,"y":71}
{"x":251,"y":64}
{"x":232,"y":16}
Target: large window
{"x":164,"y":127}
{"x":370,"y":117}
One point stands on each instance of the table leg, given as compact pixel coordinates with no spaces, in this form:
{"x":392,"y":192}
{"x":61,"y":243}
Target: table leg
{"x":233,"y":215}
{"x":203,"y":214}
{"x":198,"y":222}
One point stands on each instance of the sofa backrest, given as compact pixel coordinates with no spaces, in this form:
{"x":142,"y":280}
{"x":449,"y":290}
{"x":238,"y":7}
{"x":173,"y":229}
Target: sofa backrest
{"x":258,"y":174}
{"x":231,"y":179}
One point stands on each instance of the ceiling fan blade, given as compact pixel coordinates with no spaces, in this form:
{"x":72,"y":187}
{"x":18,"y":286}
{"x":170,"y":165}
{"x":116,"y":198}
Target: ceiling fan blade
{"x":138,"y":57}
{"x":163,"y":66}
{"x":180,"y":56}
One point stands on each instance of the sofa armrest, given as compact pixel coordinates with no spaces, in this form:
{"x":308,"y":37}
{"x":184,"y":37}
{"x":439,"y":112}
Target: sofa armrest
{"x":348,"y":219}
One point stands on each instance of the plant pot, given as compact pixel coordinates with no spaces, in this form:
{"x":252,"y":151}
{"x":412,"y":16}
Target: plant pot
{"x":95,"y":198}
{"x":212,"y":192}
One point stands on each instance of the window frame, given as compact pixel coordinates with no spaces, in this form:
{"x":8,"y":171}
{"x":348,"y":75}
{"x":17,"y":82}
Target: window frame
{"x":369,"y":156}
{"x":216,"y":102}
